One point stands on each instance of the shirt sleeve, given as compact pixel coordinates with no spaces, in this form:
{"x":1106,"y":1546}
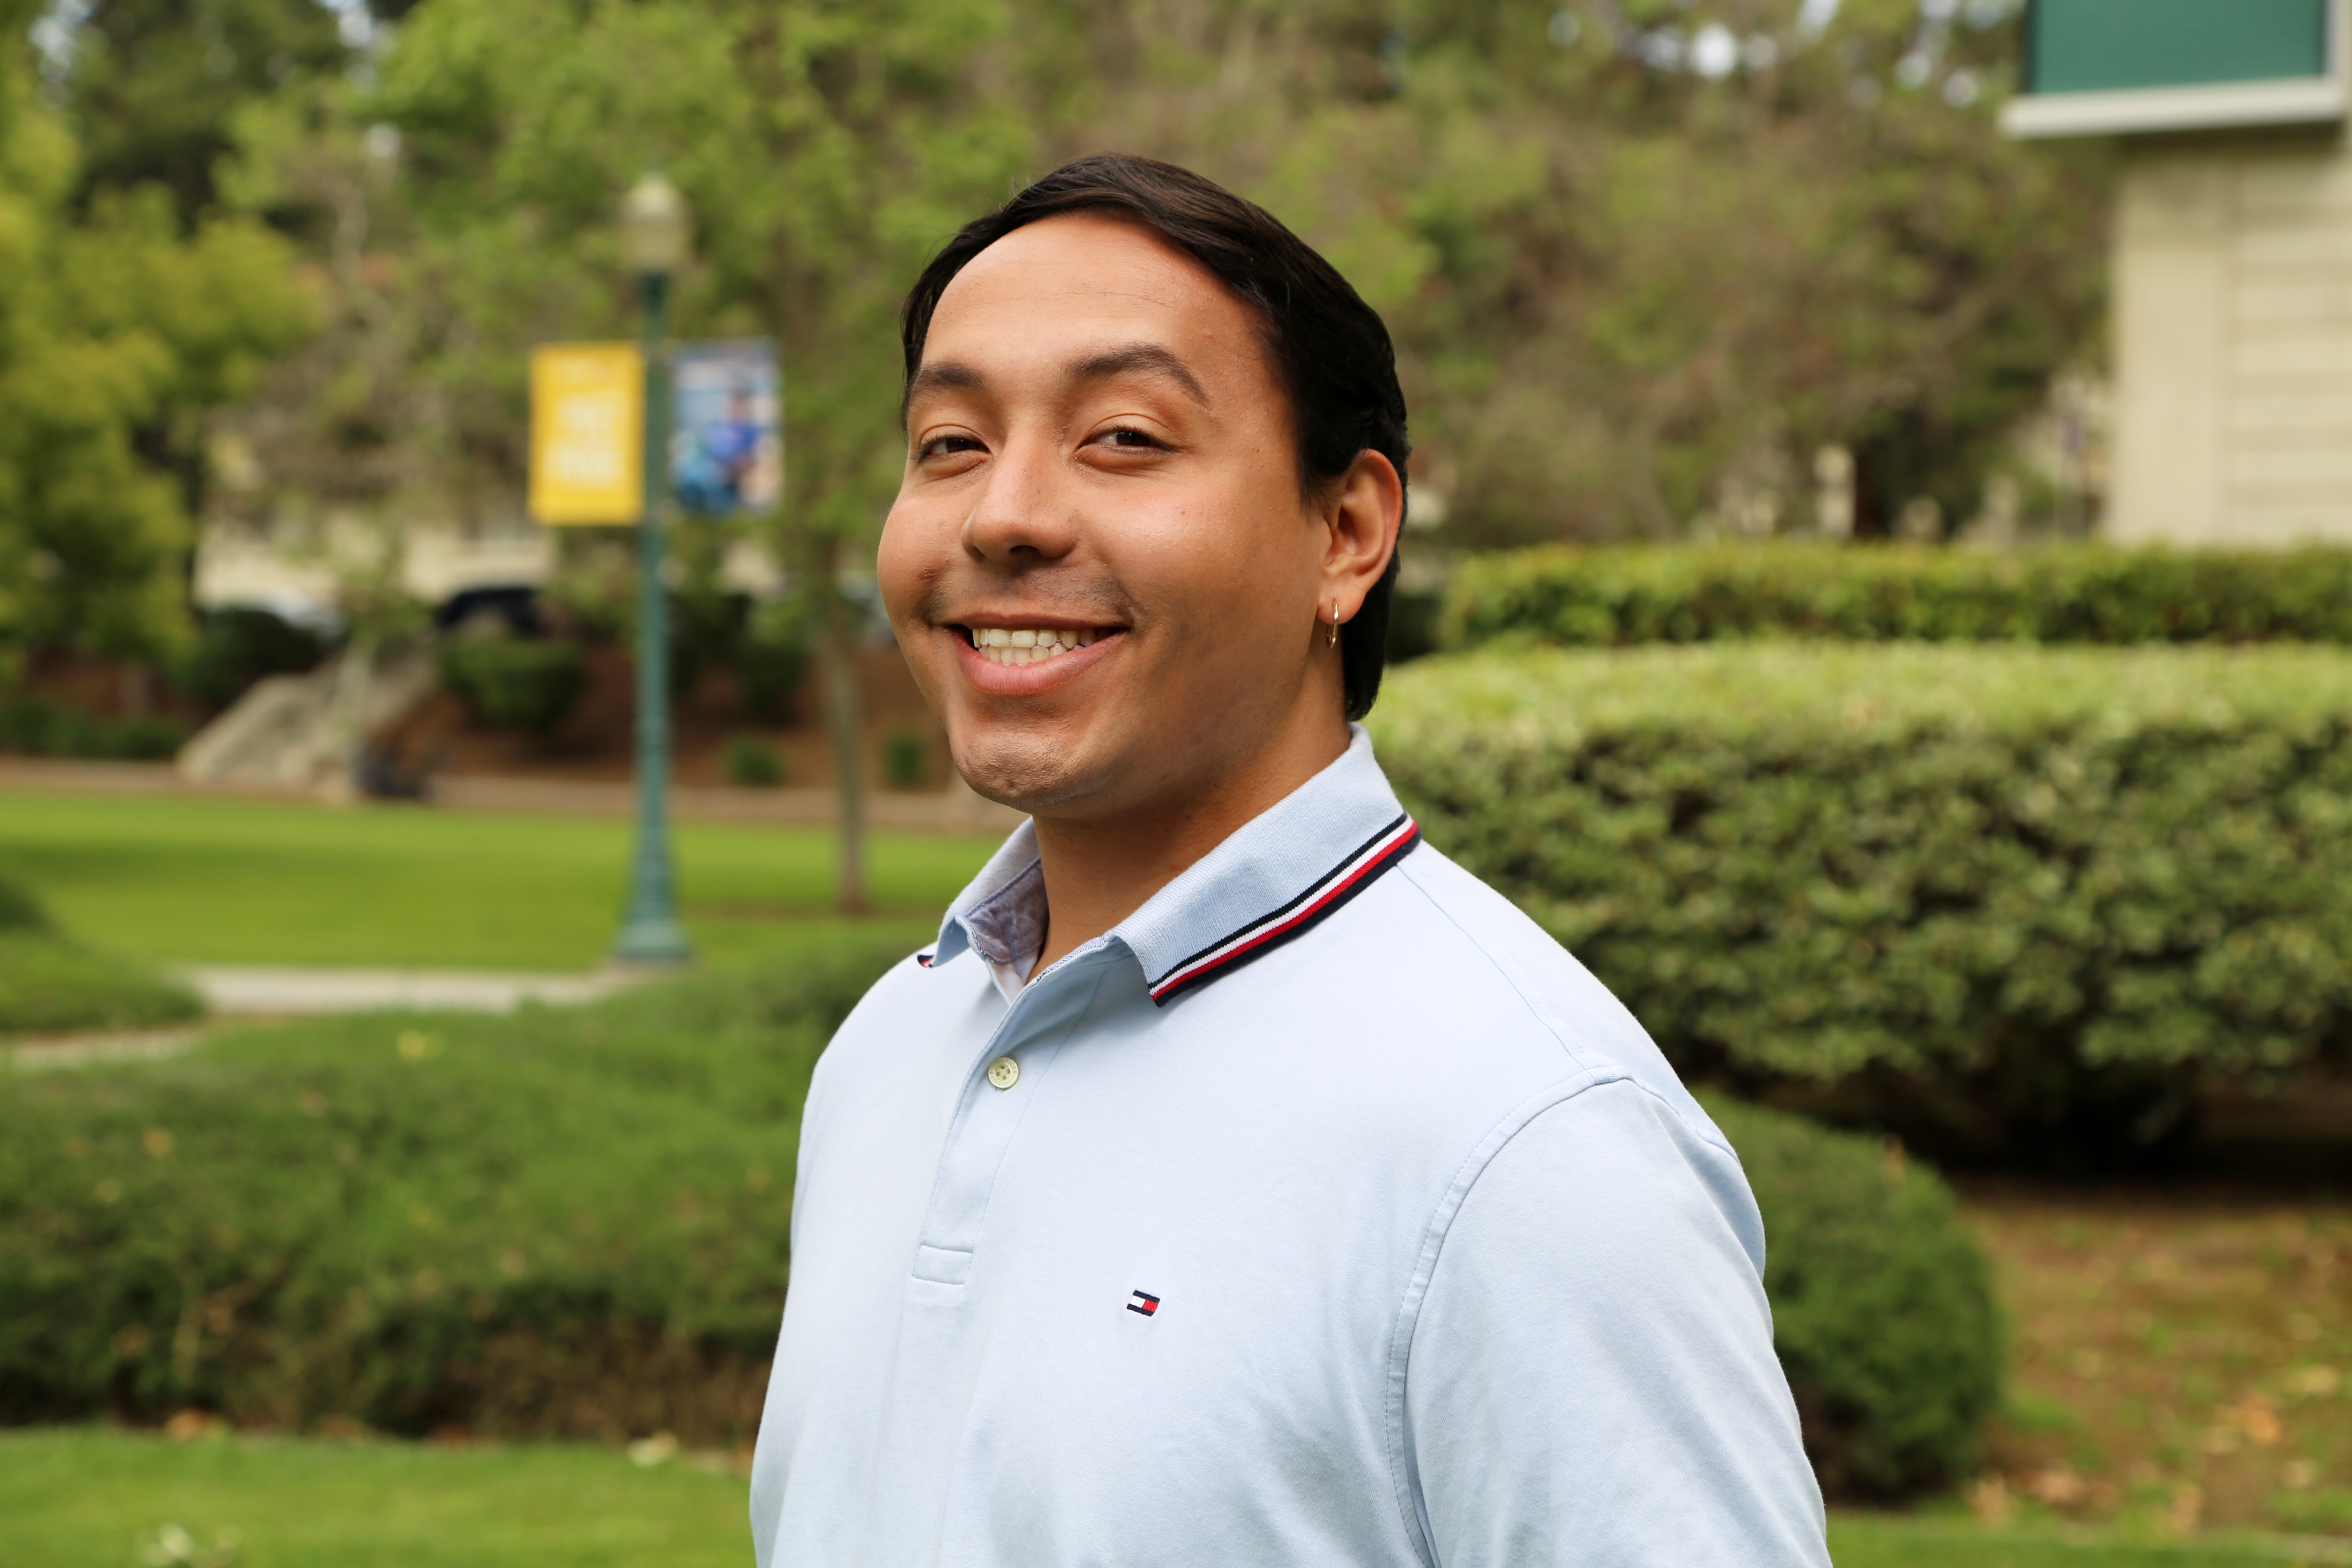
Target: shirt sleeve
{"x":1591,"y":1378}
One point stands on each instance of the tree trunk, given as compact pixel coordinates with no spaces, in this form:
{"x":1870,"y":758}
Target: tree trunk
{"x":845,"y":718}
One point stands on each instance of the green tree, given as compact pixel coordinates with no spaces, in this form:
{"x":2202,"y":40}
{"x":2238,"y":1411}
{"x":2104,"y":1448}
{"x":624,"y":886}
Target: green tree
{"x":1632,"y":278}
{"x":153,"y":85}
{"x":117,"y":335}
{"x":461,"y":208}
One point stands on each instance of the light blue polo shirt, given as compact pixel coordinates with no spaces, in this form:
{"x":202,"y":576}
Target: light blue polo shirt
{"x":1333,"y":1215}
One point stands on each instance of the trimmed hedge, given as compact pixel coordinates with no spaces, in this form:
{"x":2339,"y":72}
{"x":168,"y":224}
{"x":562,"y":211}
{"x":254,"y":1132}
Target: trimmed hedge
{"x":238,"y":645}
{"x":34,"y":728}
{"x":514,"y":682}
{"x":561,"y":1222}
{"x":1882,"y":1307}
{"x":1624,"y":595}
{"x":573,"y":1223}
{"x":2007,"y":899}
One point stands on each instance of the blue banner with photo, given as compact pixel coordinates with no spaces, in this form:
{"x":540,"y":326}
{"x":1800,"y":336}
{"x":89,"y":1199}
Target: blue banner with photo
{"x":727,"y":441}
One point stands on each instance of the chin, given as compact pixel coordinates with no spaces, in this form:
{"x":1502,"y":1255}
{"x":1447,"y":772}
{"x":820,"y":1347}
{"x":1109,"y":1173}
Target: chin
{"x":1029,"y":774}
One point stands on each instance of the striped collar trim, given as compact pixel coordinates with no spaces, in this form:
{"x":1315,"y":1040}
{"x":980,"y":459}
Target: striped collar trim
{"x":1321,"y":899}
{"x":1274,"y":879}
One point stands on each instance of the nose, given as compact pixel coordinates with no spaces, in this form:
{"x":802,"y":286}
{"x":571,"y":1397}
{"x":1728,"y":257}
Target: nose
{"x":1025,"y":514}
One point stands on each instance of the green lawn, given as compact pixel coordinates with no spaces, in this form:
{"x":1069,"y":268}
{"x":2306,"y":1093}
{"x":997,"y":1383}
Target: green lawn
{"x":233,"y":881}
{"x":1938,"y":1540}
{"x":89,"y":1497}
{"x":85,"y":1498}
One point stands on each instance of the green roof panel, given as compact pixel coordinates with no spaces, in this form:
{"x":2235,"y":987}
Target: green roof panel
{"x":2099,"y":45}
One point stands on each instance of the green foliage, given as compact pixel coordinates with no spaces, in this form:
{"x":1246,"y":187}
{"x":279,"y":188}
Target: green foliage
{"x":751,"y":760}
{"x":2016,"y":900}
{"x":770,"y":658}
{"x":1543,"y":224}
{"x":50,"y":985}
{"x":236,"y":646}
{"x":573,"y":1222}
{"x":825,"y":148}
{"x":2053,"y":594}
{"x":528,"y":684}
{"x":154,"y":83}
{"x":1539,"y":222}
{"x":905,"y":760}
{"x":20,"y":912}
{"x":38,"y":728}
{"x":556,"y":1221}
{"x":1881,"y":1305}
{"x":117,"y":332}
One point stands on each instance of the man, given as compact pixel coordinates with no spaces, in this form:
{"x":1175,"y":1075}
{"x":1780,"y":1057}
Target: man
{"x":1237,"y":1181}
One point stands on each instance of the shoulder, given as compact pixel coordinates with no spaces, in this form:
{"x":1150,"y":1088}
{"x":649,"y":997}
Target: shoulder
{"x":1502,"y":968}
{"x":1612,"y":1172}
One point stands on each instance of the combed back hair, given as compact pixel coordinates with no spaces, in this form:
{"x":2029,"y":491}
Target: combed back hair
{"x":1329,"y":349}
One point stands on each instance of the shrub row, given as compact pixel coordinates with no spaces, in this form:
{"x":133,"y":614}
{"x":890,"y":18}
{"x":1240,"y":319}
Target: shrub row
{"x":530,"y":684}
{"x":1883,"y":1308}
{"x":574,"y":1224}
{"x":554,"y":1223}
{"x":2009,"y":899}
{"x":34,"y":728}
{"x":1620,"y":596}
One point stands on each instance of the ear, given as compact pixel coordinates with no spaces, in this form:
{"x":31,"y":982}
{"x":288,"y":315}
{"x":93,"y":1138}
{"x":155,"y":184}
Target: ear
{"x":1361,"y":520}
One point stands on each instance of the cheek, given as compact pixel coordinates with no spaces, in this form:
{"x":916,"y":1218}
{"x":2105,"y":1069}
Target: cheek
{"x":907,"y":562}
{"x":1227,"y":560}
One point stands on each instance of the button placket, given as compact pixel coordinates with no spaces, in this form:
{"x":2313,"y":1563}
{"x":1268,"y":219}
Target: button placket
{"x":1024,"y":1043}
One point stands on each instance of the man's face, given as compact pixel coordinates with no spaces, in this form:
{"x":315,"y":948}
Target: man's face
{"x":1100,"y":565}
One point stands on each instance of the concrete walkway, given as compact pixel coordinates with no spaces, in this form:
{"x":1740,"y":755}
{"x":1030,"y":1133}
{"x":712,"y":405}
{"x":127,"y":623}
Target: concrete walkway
{"x":234,"y":992}
{"x":280,"y":992}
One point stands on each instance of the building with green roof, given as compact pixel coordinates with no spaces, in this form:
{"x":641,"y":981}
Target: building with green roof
{"x":2233,"y":326}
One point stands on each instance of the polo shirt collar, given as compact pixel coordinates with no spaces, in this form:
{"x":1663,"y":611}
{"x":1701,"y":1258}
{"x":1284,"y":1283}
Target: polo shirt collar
{"x":1270,"y":882}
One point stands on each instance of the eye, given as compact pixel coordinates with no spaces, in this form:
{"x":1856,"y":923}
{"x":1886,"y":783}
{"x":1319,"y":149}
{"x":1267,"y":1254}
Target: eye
{"x":947,"y":446}
{"x":1129,"y":438}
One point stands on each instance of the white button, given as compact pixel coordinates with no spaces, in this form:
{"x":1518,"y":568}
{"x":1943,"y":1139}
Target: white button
{"x":1004,"y":1072}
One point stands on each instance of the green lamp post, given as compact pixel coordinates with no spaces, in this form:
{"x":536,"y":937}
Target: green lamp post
{"x":654,"y":238}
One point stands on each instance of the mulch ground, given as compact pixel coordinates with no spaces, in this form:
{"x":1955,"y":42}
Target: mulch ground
{"x":2181,"y":1354}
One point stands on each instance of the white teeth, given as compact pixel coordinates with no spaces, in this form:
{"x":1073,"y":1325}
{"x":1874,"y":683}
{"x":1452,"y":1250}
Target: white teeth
{"x":1028,"y":645}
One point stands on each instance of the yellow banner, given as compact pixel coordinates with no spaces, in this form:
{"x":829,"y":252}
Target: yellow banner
{"x":587,"y":433}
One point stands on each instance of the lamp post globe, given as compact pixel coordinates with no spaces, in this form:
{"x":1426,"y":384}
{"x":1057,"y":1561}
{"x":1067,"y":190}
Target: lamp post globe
{"x":656,"y":227}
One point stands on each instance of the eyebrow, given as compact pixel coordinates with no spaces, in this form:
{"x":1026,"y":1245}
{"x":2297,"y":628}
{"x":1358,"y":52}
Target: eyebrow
{"x":1142,"y":359}
{"x":1127,"y":359}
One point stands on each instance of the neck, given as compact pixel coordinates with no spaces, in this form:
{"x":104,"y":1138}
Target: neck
{"x":1100,"y":869}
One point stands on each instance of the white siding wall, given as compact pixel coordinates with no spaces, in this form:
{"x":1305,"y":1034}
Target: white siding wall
{"x":2233,"y":343}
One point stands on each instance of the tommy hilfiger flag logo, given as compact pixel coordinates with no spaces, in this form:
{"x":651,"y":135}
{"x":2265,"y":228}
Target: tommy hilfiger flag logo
{"x":1143,"y":1302}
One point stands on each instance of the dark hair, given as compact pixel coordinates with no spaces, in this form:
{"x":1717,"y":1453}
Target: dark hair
{"x":1329,"y":348}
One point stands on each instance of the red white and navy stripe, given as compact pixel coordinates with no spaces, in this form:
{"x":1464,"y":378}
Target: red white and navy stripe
{"x":1263,"y":935}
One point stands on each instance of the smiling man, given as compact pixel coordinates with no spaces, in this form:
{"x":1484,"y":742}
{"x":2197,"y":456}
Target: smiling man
{"x":1237,"y":1181}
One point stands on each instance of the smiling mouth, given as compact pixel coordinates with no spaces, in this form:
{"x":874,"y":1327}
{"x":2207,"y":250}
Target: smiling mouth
{"x":1028,"y":645}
